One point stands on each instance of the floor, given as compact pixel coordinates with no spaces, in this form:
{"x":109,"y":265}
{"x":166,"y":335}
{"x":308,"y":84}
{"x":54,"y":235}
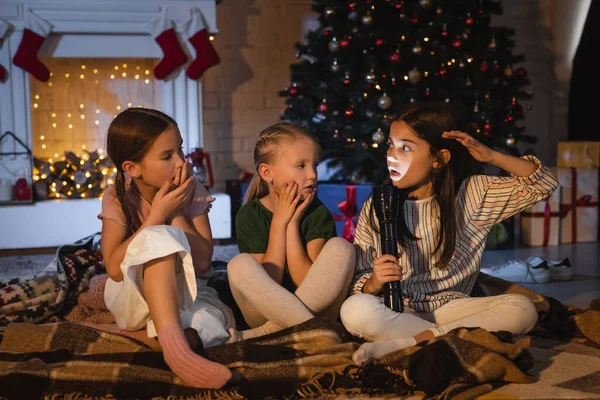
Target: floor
{"x":579,"y":292}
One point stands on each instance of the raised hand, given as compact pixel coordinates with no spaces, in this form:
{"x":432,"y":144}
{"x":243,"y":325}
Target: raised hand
{"x":478,"y":150}
{"x":285,"y":203}
{"x":302,"y":207}
{"x":173,"y":195}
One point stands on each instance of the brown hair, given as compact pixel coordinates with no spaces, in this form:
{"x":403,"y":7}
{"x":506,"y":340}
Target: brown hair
{"x":266,"y":149}
{"x":130,"y":136}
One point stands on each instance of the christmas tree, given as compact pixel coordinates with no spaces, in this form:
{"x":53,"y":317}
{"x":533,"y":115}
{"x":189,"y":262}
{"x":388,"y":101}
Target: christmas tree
{"x":369,"y":59}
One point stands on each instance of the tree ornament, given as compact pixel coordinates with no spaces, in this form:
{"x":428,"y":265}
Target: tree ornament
{"x":352,"y":6}
{"x":461,"y":64}
{"x":327,"y":31}
{"x":444,"y":30}
{"x":511,"y":141}
{"x":335,"y":66}
{"x":427,"y":92}
{"x":414,"y":20}
{"x":508,"y":71}
{"x":492,"y":44}
{"x":349,"y":112}
{"x":333,"y":45}
{"x":378,"y":137}
{"x":414,"y":75}
{"x":384,"y":102}
{"x":395,"y":57}
{"x":457,"y":43}
{"x":426,"y":4}
{"x":439,"y":11}
{"x":379,"y":42}
{"x":294,"y":91}
{"x":370,"y":114}
{"x":323,"y":106}
{"x":521,"y":72}
{"x":367,"y":19}
{"x":329,"y":12}
{"x":469,"y":20}
{"x":370,"y":76}
{"x":484,"y":66}
{"x":344,"y":43}
{"x":476,"y":107}
{"x":417,"y":48}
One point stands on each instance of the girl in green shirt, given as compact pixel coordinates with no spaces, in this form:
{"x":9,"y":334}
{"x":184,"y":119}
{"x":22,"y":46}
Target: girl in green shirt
{"x":291,"y":266}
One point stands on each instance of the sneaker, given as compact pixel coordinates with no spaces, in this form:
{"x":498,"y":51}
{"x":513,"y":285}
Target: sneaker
{"x":559,"y":270}
{"x":520,"y":272}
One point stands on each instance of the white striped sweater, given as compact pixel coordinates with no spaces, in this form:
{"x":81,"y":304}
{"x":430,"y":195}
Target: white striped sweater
{"x":481,"y":202}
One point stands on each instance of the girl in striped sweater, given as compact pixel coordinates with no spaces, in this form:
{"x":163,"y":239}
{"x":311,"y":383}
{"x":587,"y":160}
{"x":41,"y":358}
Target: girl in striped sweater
{"x":445,"y":215}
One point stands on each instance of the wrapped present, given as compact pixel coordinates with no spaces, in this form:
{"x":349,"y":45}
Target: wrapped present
{"x":578,"y":155}
{"x":579,"y":204}
{"x":540,"y":223}
{"x":344,"y":202}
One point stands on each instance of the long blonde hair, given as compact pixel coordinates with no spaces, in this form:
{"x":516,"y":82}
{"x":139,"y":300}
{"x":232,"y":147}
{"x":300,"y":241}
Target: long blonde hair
{"x":266,"y":149}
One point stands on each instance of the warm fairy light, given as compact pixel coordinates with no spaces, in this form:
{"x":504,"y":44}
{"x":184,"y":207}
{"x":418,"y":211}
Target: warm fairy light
{"x":64,"y":183}
{"x":36,"y":178}
{"x":97,"y":122}
{"x":118,"y":107}
{"x":83,"y":146}
{"x":70,"y":126}
{"x":82,"y":116}
{"x":42,"y":137}
{"x":405,"y":77}
{"x":89,"y":185}
{"x":35,"y":105}
{"x":81,"y":162}
{"x":138,"y":68}
{"x":115,"y":170}
{"x":57,"y":196}
{"x":124,"y":74}
{"x":147,"y":72}
{"x":211,"y":38}
{"x":81,"y":76}
{"x":100,"y":151}
{"x":129,"y":104}
{"x":97,"y":111}
{"x":78,"y":186}
{"x":112,"y":77}
{"x":95,"y":71}
{"x":377,"y":87}
{"x":147,"y":81}
{"x":68,"y":115}
{"x":137,"y":76}
{"x":44,"y":176}
{"x":104,"y":172}
{"x":56,"y":155}
{"x":88,"y":174}
{"x":54,"y":125}
{"x":83,"y":67}
{"x":116,"y":67}
{"x":82,"y":194}
{"x":44,"y":146}
{"x":426,"y":39}
{"x":124,"y":65}
{"x":81,"y":105}
{"x":375,"y":145}
{"x":67,"y":75}
{"x":53,"y":115}
{"x":50,"y":84}
{"x":37,"y":96}
{"x":469,"y":59}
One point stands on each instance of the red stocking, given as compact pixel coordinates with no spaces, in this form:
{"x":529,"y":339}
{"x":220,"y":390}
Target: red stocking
{"x":166,"y":37}
{"x":3,"y":29}
{"x":33,"y":38}
{"x":206,"y":55}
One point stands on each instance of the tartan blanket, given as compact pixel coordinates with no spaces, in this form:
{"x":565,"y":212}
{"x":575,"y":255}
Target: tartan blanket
{"x":44,"y":356}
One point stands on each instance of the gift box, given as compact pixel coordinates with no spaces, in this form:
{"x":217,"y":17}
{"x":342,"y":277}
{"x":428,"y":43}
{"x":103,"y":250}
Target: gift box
{"x":579,"y":204}
{"x":540,"y":223}
{"x":344,"y":202}
{"x":578,"y":155}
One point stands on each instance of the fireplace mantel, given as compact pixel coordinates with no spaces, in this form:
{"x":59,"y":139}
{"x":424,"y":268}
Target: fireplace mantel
{"x":95,"y":29}
{"x":102,"y":28}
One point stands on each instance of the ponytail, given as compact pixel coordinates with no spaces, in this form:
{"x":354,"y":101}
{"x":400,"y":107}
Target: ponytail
{"x":120,"y":189}
{"x":256,"y":189}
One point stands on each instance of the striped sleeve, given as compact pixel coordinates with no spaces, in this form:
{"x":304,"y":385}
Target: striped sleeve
{"x":491,"y":199}
{"x":364,"y":247}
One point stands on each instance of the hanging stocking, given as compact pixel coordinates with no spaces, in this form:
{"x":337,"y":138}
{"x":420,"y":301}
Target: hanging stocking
{"x":163,"y":32}
{"x":33,"y":37}
{"x":3,"y":30}
{"x":206,"y":55}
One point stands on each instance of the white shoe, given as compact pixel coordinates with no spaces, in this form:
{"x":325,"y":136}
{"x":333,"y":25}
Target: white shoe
{"x":520,"y":272}
{"x":559,"y":270}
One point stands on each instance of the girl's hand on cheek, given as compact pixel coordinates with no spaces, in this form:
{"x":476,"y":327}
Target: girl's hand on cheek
{"x":285,"y":203}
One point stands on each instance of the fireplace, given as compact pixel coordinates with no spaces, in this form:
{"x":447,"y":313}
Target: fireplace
{"x":101,"y":56}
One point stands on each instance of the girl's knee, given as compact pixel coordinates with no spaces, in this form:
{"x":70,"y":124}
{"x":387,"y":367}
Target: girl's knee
{"x":341,"y":250}
{"x":523,"y":312}
{"x":358,"y":313}
{"x":238,"y":265}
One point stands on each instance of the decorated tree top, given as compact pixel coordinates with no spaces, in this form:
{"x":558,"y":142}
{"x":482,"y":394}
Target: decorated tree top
{"x":369,"y":59}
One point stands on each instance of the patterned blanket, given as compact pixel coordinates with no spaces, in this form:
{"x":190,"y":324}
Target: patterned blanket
{"x":44,"y":356}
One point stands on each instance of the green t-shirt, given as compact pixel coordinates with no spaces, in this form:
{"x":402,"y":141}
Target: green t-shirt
{"x":253,"y":223}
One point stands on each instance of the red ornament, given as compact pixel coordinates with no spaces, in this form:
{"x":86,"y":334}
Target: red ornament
{"x":469,"y":21}
{"x":521,"y":72}
{"x":487,"y":127}
{"x":442,"y":72}
{"x":444,"y":33}
{"x":378,"y":42}
{"x":22,"y":190}
{"x":323,"y":107}
{"x":349,"y":112}
{"x":457,"y":43}
{"x":427,"y":92}
{"x":399,"y":5}
{"x":483,"y":67}
{"x":394,"y":57}
{"x":344,"y":43}
{"x":509,"y":118}
{"x":352,"y":6}
{"x":347,"y":81}
{"x":415,"y":20}
{"x":327,"y":32}
{"x":293,"y":91}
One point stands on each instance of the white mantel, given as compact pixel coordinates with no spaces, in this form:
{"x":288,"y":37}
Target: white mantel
{"x":102,"y":28}
{"x":95,"y":29}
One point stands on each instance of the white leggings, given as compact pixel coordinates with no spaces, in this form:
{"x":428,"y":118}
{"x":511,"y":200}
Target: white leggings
{"x":367,"y":317}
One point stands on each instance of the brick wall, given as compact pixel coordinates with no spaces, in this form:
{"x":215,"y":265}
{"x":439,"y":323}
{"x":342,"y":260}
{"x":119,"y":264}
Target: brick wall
{"x":256,"y":40}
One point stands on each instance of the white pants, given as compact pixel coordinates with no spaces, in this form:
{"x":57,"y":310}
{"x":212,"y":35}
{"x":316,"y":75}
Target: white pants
{"x":199,"y":305}
{"x":367,"y":317}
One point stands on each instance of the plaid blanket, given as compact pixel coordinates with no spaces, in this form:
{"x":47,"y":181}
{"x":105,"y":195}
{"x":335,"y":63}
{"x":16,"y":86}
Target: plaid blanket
{"x":42,"y":355}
